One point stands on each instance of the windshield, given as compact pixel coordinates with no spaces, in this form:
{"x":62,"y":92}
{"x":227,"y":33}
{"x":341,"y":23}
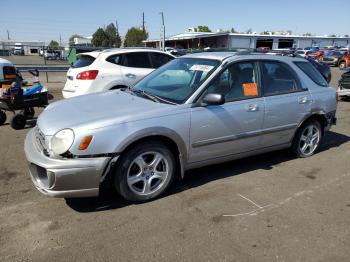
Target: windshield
{"x":177,"y":80}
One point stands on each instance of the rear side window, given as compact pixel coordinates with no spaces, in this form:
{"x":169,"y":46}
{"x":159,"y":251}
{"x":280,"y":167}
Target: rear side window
{"x":114,"y":59}
{"x":83,"y":60}
{"x":279,"y":78}
{"x":136,"y":59}
{"x":312,"y":72}
{"x":159,"y":59}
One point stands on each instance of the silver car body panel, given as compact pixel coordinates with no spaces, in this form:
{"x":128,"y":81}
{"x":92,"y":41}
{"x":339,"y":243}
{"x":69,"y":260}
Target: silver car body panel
{"x":203,"y":134}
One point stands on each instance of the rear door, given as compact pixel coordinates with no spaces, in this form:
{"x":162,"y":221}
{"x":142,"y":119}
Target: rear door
{"x":134,"y":66}
{"x":287,"y":102}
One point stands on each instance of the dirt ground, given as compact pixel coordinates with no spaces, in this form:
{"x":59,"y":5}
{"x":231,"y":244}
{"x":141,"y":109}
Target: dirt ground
{"x":266,"y":208}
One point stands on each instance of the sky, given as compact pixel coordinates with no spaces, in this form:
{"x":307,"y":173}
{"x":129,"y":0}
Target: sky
{"x":46,"y":20}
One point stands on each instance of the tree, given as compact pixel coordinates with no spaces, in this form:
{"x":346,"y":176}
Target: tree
{"x":332,"y":35}
{"x":113,"y":37}
{"x":346,"y":35}
{"x":307,"y":34}
{"x":53,"y":45}
{"x":99,"y":37}
{"x":233,"y":30}
{"x":71,"y":38}
{"x":134,"y":37}
{"x":203,"y":28}
{"x":249,"y":31}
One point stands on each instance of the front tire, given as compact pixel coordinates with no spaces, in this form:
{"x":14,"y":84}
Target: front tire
{"x":144,"y":172}
{"x":307,"y":139}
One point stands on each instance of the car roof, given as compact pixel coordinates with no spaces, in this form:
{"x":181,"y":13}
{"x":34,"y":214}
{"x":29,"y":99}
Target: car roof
{"x":114,"y":51}
{"x":232,"y":56}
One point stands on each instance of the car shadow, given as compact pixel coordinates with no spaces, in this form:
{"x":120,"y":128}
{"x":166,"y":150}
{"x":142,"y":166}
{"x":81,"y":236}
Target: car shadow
{"x":109,"y":199}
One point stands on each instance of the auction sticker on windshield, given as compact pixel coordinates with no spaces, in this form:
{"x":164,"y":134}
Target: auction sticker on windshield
{"x":204,"y":68}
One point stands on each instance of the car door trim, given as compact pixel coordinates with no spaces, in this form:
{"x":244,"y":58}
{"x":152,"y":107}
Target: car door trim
{"x":242,"y":136}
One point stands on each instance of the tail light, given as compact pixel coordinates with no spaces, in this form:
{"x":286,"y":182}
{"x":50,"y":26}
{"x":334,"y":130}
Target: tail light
{"x":88,"y":75}
{"x":337,"y":97}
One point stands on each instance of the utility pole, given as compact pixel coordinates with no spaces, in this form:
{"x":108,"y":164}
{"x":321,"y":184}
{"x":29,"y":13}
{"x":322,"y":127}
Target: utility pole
{"x":8,"y":34}
{"x":60,"y":40}
{"x":163,"y":31}
{"x":143,"y":22}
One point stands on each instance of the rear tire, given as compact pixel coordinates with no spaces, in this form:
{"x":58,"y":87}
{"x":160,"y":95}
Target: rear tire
{"x":18,"y":122}
{"x":144,"y":172}
{"x":3,"y":117}
{"x":307,"y":139}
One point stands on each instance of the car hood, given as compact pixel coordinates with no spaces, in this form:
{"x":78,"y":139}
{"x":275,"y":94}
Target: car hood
{"x":97,"y":110}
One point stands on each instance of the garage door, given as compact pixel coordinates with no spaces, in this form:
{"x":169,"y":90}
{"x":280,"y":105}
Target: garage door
{"x":240,"y":42}
{"x":341,"y":42}
{"x":302,"y":43}
{"x":326,"y":42}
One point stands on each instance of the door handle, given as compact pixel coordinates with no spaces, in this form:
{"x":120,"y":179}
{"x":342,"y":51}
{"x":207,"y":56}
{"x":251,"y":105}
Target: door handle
{"x":252,"y":108}
{"x":130,"y":76}
{"x":304,"y":100}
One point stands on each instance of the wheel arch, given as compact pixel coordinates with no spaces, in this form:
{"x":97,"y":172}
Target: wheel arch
{"x":169,"y":137}
{"x":319,"y":116}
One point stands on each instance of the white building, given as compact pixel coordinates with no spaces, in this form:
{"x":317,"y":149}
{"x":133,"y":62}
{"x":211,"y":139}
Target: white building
{"x":29,"y":47}
{"x":233,"y":40}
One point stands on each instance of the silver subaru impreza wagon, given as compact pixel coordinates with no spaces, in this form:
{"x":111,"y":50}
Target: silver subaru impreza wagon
{"x":196,"y":110}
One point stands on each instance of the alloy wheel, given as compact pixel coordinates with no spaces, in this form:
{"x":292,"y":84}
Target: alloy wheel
{"x":309,"y":140}
{"x":147,"y":173}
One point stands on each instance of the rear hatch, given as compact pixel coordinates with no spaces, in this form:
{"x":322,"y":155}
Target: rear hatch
{"x":82,"y":64}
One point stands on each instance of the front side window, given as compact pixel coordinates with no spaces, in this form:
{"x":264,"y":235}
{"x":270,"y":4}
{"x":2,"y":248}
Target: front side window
{"x":278,"y":78}
{"x":177,"y":80}
{"x":238,"y":81}
{"x":136,"y":59}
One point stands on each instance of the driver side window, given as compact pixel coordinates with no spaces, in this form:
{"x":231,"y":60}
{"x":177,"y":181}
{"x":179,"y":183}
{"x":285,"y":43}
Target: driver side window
{"x":238,"y":81}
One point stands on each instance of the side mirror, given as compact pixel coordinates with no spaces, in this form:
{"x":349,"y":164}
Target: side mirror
{"x":214,"y":99}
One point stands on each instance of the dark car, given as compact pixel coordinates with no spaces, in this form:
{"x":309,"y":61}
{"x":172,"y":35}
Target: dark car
{"x":331,"y":57}
{"x":344,"y":84}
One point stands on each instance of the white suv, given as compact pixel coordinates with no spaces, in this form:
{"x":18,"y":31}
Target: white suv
{"x":99,"y":71}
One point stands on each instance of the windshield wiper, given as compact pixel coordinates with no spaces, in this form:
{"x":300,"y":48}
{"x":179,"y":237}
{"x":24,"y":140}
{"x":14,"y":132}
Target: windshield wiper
{"x":152,"y":97}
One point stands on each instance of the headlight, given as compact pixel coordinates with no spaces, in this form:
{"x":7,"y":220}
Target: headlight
{"x":62,"y":141}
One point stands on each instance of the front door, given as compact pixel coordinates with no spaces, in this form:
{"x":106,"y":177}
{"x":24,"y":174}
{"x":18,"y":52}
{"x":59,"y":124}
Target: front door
{"x":234,"y":127}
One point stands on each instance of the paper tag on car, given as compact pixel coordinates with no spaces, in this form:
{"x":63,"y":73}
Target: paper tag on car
{"x":204,"y":68}
{"x":250,"y":89}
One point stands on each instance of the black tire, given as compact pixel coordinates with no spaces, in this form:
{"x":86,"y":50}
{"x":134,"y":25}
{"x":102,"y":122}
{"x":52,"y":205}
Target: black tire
{"x":29,"y":113}
{"x":2,"y":117}
{"x":126,"y":163}
{"x":342,"y":65}
{"x":18,"y":122}
{"x":298,"y":141}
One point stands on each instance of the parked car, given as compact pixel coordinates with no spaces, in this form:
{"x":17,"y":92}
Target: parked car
{"x":18,"y":49}
{"x":111,"y":69}
{"x":51,"y":55}
{"x":196,"y":110}
{"x":302,"y":53}
{"x":344,"y":84}
{"x":263,"y":49}
{"x":344,"y":62}
{"x":331,"y":57}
